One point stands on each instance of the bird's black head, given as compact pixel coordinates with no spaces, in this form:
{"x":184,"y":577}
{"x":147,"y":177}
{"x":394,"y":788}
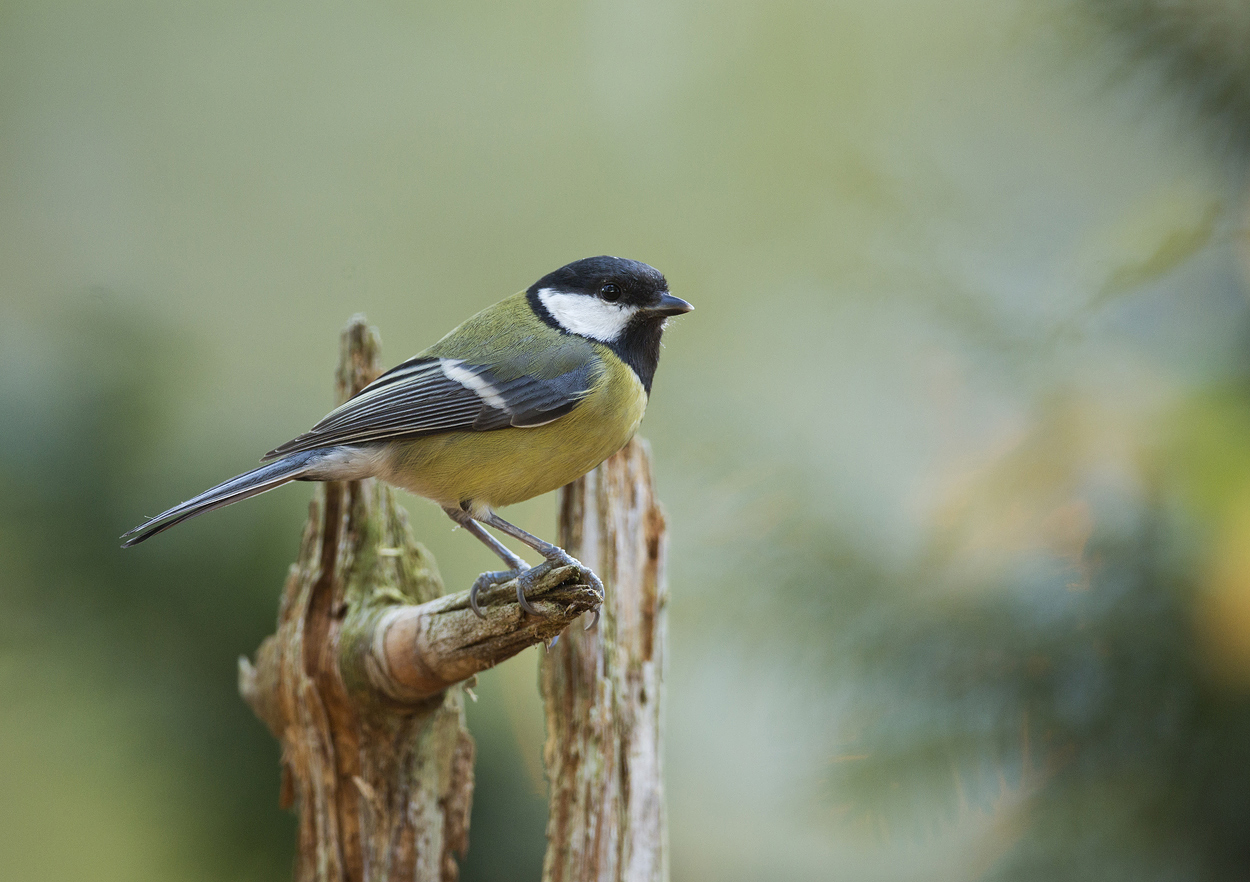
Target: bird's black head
{"x":611,"y":279}
{"x":620,"y":303}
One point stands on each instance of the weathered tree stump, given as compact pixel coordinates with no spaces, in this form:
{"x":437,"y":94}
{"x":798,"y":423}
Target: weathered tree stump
{"x":603,"y":688}
{"x":359,"y":683}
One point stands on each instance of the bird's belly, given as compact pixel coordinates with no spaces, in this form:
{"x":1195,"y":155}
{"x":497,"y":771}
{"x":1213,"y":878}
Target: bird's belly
{"x":500,"y":467}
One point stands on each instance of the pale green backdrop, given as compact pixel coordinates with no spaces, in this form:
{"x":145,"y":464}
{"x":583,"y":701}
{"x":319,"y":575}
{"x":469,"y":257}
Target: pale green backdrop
{"x":955,"y":448}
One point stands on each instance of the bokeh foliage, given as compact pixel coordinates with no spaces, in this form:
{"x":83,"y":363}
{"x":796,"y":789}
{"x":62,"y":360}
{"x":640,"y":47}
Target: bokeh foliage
{"x":954,"y":446}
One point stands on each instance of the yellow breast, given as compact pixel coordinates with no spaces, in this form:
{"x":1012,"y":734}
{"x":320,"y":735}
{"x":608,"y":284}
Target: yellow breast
{"x":500,"y":467}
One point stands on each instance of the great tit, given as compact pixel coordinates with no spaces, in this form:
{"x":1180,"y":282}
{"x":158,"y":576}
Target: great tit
{"x":522,"y":398}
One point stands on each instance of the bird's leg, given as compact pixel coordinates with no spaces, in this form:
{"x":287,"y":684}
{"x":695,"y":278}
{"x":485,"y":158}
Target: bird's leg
{"x":505,"y":554}
{"x":516,"y":566}
{"x":553,"y":554}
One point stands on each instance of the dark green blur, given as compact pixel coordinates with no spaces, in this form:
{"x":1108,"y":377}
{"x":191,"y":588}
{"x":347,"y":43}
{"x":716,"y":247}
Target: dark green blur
{"x":955,"y":447}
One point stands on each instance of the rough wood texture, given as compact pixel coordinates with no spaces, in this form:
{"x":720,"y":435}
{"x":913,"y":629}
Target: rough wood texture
{"x":356,"y":684}
{"x":419,"y":651}
{"x":602,"y":687}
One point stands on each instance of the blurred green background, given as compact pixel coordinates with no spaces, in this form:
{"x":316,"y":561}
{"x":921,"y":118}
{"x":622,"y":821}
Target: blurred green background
{"x":955,"y":449}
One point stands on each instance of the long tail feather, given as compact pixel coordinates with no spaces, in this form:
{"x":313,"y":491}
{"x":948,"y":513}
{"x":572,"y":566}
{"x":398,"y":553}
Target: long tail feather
{"x":243,"y":486}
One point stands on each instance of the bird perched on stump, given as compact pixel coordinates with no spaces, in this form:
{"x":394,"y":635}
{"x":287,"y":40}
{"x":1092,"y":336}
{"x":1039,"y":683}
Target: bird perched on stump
{"x":524,"y":397}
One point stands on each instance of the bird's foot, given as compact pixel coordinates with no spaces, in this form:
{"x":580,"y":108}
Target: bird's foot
{"x":561,"y":558}
{"x":555,"y":570}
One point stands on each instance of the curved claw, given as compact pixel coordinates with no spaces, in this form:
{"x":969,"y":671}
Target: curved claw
{"x":593,"y":581}
{"x":521,"y":599}
{"x":487,"y":580}
{"x":593,"y":621}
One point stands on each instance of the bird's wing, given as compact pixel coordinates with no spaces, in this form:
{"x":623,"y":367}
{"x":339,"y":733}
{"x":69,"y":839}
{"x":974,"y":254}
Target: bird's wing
{"x":427,"y":395}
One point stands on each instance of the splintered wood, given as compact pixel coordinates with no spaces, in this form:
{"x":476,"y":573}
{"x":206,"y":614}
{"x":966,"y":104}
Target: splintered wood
{"x":360,"y":683}
{"x":383,"y":789}
{"x":602,"y":688}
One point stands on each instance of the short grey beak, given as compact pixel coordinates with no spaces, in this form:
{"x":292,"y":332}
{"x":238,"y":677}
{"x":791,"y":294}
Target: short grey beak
{"x":670,"y":305}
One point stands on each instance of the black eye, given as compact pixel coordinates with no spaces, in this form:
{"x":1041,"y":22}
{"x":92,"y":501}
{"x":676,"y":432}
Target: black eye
{"x":610,"y":293}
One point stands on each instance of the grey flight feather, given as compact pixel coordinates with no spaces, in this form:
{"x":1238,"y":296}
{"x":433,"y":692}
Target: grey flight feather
{"x":429,"y":395}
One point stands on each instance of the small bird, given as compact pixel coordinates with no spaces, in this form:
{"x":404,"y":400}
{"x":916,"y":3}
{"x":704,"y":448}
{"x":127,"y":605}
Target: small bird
{"x":524,"y":397}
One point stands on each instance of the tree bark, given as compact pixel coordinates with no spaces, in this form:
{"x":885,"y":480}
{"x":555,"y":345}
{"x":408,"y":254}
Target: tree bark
{"x":359,"y":683}
{"x":603,"y":687}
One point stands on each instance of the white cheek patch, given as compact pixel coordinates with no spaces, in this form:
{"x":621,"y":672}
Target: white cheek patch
{"x":586,"y":315}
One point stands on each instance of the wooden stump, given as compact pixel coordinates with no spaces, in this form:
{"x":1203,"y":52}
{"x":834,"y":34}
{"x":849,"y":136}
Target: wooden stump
{"x":360,"y":682}
{"x":603,"y":687}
